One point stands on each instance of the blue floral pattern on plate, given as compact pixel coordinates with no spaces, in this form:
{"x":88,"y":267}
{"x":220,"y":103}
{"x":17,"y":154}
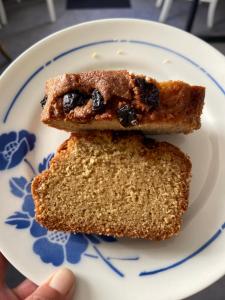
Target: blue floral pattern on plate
{"x":55,"y":247}
{"x":14,"y":146}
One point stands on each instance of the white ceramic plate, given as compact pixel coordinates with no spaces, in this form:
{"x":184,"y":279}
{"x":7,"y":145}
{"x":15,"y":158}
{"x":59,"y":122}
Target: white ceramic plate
{"x":106,"y":269}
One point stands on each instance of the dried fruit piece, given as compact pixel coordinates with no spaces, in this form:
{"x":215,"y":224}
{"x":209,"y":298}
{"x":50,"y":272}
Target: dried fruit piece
{"x":97,"y":101}
{"x":149,"y":92}
{"x":127,"y":116}
{"x":43,"y":101}
{"x":73,"y":99}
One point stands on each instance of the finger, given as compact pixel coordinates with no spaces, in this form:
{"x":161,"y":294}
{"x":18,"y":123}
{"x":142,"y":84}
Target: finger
{"x":57,"y":288}
{"x":70,"y":295}
{"x":25,"y":289}
{"x":7,"y":294}
{"x":3,"y":267}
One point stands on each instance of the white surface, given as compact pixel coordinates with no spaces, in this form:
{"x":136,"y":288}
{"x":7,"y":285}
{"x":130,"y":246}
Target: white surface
{"x":3,"y":17}
{"x":51,"y":10}
{"x":211,"y":12}
{"x":166,"y":6}
{"x":165,"y":10}
{"x":206,"y":148}
{"x":158,"y":3}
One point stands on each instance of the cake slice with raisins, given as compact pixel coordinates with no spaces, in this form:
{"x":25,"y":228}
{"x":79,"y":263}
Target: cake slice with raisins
{"x":118,"y":184}
{"x":118,"y":100}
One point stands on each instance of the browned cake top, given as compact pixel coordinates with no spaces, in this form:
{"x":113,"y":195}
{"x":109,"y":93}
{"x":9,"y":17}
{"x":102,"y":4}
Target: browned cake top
{"x":108,"y":83}
{"x":132,"y":99}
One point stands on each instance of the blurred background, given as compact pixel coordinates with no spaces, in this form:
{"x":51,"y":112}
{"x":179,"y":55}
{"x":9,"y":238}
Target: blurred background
{"x":24,"y":22}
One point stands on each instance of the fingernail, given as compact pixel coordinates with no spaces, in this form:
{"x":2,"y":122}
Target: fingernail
{"x":62,"y":281}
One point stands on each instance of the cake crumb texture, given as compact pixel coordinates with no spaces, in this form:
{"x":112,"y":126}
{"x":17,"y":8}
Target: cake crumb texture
{"x":114,"y":184}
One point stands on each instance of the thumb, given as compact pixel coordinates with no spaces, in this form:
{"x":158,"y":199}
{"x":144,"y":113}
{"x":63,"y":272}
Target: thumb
{"x":59,"y":287}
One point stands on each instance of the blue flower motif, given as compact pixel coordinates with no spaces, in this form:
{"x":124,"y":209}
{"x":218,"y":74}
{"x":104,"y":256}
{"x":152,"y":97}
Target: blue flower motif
{"x":21,"y":188}
{"x":56,"y":246}
{"x":28,"y":205}
{"x":45,"y":163}
{"x":19,"y":220}
{"x":14,"y":146}
{"x":37,"y":230}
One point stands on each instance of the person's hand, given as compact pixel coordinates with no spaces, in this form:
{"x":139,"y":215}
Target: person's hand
{"x":60,"y":286}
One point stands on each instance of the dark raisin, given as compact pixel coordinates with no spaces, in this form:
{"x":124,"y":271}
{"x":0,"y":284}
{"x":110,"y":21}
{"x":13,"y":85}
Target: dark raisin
{"x":141,"y":83}
{"x":43,"y":101}
{"x":98,"y":101}
{"x":149,"y":92}
{"x":73,"y":99}
{"x":127,"y":116}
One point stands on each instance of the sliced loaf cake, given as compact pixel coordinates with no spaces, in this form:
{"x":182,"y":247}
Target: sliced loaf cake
{"x":118,"y":100}
{"x":114,"y":184}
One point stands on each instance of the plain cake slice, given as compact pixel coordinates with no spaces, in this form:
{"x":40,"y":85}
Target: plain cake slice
{"x":114,"y":184}
{"x":118,"y":100}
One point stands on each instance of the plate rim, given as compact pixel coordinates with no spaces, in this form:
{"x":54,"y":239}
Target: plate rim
{"x":105,"y":20}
